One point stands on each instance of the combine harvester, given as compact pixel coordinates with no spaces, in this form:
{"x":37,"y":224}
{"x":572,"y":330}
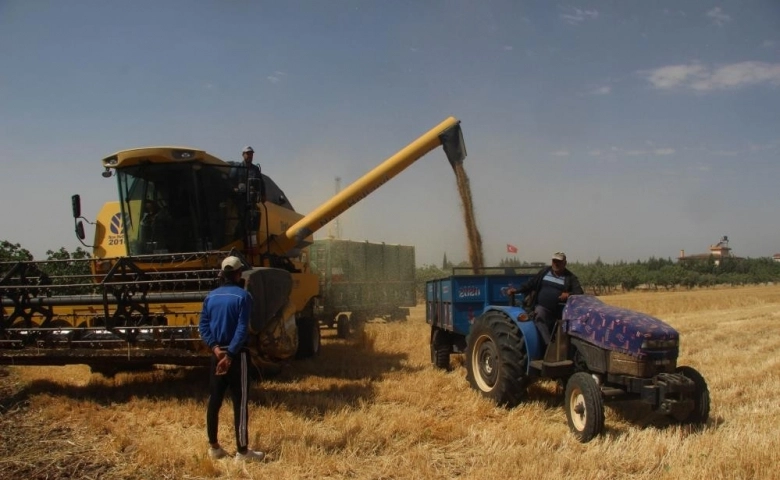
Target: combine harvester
{"x":156,"y":255}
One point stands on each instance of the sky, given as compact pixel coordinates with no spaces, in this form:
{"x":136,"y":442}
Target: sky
{"x":617,"y":130}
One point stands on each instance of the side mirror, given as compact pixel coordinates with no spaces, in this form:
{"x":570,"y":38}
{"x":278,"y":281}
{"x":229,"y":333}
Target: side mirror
{"x":80,"y":230}
{"x":75,"y":201}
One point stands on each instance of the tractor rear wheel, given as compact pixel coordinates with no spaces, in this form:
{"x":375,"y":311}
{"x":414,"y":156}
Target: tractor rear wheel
{"x":497,"y":360}
{"x":701,"y":398}
{"x":584,"y":406}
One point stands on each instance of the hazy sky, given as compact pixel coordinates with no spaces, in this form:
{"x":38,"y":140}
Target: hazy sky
{"x":623,"y":129}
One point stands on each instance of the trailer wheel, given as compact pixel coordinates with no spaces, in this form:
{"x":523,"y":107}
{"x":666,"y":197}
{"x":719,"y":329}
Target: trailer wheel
{"x":308,"y":337}
{"x":342,"y":325}
{"x":440,"y":349}
{"x":701,"y":398}
{"x":584,"y":407}
{"x":496,"y":359}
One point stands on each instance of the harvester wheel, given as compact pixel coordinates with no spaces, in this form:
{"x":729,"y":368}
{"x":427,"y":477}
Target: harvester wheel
{"x":342,"y":325}
{"x":497,"y":360}
{"x":584,"y":406}
{"x":440,"y":349}
{"x":701,"y":398}
{"x":308,"y":337}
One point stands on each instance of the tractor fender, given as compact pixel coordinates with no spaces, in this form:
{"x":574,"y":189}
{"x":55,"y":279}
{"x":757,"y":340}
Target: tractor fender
{"x":534,"y":344}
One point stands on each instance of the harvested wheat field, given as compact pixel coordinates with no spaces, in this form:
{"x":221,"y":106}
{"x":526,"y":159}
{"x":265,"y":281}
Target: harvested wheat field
{"x":373,"y":407}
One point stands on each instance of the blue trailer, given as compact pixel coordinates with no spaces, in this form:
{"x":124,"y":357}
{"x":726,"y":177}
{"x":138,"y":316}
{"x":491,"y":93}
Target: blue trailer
{"x":454,"y":302}
{"x":598,"y":352}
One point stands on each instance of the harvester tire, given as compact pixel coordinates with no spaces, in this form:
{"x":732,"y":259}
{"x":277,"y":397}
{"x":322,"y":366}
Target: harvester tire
{"x":497,"y":360}
{"x":440,"y":349}
{"x":701,"y":398}
{"x":342,"y":325}
{"x":308,"y":337}
{"x":584,"y":405}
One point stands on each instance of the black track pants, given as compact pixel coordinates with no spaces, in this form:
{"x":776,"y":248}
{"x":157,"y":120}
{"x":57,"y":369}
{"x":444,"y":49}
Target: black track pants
{"x":237,"y":379}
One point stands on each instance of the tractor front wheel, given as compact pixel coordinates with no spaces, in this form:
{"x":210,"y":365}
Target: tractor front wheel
{"x":584,"y":407}
{"x":701,"y":398}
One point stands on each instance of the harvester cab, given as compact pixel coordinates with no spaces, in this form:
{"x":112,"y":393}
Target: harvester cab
{"x":156,"y":254}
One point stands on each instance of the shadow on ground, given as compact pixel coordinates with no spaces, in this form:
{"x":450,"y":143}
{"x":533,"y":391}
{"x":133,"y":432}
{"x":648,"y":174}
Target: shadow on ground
{"x":341,"y":375}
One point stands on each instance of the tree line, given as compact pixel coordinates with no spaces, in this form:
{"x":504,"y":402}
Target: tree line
{"x":60,"y":266}
{"x":654,"y":273}
{"x":597,"y":277}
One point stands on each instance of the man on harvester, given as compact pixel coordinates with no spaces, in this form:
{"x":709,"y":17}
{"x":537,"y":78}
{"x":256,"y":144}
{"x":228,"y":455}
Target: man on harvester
{"x":249,"y":184}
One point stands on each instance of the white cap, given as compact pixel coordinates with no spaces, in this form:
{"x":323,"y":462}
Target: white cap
{"x":559,"y":256}
{"x":248,"y":149}
{"x":231,"y":264}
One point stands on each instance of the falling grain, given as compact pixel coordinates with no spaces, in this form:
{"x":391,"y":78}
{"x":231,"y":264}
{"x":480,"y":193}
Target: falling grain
{"x":476,"y":256}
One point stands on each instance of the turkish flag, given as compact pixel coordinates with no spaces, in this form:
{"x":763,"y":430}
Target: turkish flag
{"x":511,"y":248}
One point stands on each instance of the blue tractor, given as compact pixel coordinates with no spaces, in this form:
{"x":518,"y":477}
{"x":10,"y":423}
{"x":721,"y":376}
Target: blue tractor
{"x":598,"y":352}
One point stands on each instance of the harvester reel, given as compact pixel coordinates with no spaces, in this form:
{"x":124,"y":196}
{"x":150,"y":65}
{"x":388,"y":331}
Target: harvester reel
{"x":22,"y":285}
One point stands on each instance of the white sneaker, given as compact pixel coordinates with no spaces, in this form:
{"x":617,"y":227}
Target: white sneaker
{"x":217,"y":453}
{"x":250,"y":456}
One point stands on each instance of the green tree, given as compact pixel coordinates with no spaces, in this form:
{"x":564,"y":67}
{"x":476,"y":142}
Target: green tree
{"x":69,"y":268}
{"x":425,"y":273}
{"x":446,"y":265}
{"x":13,"y":252}
{"x":628,"y":276}
{"x":510,"y":262}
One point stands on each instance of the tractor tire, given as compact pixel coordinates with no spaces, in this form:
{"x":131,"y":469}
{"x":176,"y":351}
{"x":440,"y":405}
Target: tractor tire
{"x":342,"y":325}
{"x":308,"y":337}
{"x":440,"y":349}
{"x":701,"y":398}
{"x":497,"y":360}
{"x":584,"y":405}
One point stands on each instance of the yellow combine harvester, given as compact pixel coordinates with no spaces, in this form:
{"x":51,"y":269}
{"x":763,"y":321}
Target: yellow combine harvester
{"x":156,"y":255}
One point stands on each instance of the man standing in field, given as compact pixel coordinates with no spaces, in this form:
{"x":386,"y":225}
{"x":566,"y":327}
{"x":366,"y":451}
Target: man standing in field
{"x":224,"y":326}
{"x":547,"y":293}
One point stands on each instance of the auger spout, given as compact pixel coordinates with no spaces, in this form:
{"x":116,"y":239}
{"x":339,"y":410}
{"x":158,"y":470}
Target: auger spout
{"x":447,"y":134}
